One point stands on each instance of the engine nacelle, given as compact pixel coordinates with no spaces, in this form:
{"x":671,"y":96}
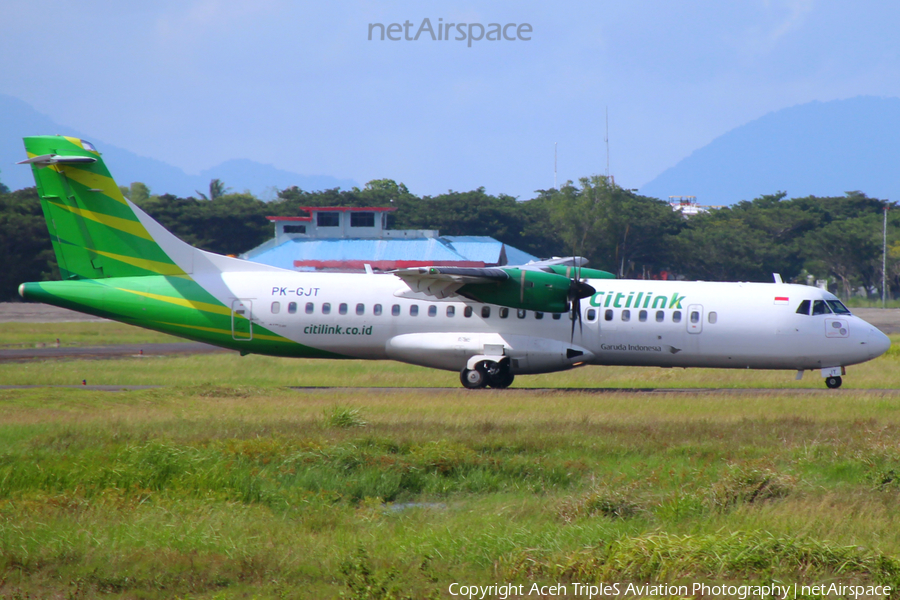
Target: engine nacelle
{"x":453,"y":351}
{"x":528,"y":289}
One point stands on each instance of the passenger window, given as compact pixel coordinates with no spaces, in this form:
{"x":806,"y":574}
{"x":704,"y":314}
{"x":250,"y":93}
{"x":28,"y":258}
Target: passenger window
{"x":713,"y":317}
{"x":432,"y":311}
{"x":557,"y":316}
{"x":326,"y":308}
{"x":642,"y":316}
{"x":485,"y":312}
{"x":395,"y":310}
{"x":467,"y":311}
{"x":342,"y":308}
{"x":504,"y":312}
{"x":360,"y":309}
{"x":292,"y":307}
{"x":803,"y":309}
{"x":676,"y":316}
{"x":414,"y":310}
{"x":376,"y":310}
{"x":591,"y":314}
{"x":276,"y":308}
{"x":820,"y":308}
{"x":310,"y":307}
{"x":538,"y":315}
{"x":451,"y":310}
{"x":521,"y":313}
{"x":626,"y":315}
{"x":609,"y":314}
{"x":838,"y":307}
{"x":695,"y":316}
{"x":660,"y":316}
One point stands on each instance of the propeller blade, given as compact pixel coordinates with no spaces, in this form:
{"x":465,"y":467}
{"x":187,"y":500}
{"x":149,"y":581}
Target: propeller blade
{"x":573,"y":316}
{"x":577,"y":291}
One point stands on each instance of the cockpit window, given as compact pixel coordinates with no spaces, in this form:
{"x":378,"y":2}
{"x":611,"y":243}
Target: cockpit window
{"x":803,"y":309}
{"x":838,"y":307}
{"x":820,"y":308}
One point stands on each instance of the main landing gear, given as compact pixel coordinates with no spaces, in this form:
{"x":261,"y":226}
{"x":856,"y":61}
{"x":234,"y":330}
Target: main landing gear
{"x":487,"y":374}
{"x":834,"y":382}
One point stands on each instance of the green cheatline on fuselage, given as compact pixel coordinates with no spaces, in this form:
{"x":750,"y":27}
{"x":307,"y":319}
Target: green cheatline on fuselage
{"x":156,"y":303}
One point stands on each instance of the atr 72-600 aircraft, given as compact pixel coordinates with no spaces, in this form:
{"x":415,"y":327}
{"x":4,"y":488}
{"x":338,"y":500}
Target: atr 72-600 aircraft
{"x":489,"y":324}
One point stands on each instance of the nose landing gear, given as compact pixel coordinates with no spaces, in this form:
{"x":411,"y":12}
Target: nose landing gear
{"x":832,"y":376}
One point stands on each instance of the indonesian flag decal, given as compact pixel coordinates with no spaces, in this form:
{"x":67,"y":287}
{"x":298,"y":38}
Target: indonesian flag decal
{"x":781,"y":299}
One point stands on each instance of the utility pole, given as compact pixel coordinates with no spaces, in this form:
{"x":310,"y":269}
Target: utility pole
{"x":555,"y":185}
{"x":606,"y":139}
{"x":884,"y":257}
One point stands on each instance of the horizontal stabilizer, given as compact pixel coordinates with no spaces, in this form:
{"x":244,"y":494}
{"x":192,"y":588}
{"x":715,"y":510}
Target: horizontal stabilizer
{"x":567,"y":261}
{"x":45,"y":160}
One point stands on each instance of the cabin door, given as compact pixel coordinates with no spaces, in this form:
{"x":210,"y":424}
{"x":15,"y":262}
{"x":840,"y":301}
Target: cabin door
{"x":242,"y":320}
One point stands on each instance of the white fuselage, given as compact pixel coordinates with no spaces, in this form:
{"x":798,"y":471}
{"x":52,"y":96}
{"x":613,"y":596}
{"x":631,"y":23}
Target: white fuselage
{"x":628,"y":322}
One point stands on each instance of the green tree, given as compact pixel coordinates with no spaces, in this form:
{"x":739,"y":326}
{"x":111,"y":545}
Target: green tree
{"x":746,"y":242}
{"x":3,"y":188}
{"x":617,"y":229}
{"x":25,"y":249}
{"x":721,"y":246}
{"x":217,"y":189}
{"x":138,"y":192}
{"x":849,"y":250}
{"x":230,"y":224}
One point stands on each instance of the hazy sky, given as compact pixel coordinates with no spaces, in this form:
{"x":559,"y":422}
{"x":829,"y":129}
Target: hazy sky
{"x":299,"y":85}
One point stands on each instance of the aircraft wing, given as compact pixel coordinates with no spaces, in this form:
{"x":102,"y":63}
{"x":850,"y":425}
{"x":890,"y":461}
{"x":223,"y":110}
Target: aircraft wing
{"x":546,"y":286}
{"x":443,"y":282}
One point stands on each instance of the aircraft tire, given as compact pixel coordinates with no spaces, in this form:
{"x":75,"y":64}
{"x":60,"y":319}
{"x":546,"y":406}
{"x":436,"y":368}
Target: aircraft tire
{"x":833,"y":382}
{"x":501,"y":380}
{"x":473,"y":379}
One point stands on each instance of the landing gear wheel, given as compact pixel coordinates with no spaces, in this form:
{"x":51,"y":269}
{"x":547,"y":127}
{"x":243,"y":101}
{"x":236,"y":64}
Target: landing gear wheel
{"x":500,"y":380}
{"x":473,"y":378}
{"x":833,"y":382}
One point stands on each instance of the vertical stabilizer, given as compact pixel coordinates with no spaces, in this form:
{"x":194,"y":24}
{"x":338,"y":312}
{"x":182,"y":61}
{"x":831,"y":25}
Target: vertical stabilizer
{"x":95,"y":230}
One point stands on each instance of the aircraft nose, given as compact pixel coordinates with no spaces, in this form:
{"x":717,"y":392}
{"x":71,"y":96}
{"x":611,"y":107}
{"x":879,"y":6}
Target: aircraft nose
{"x":878,"y":343}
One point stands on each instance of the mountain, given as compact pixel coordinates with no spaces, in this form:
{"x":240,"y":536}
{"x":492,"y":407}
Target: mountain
{"x":819,"y":148}
{"x":18,"y":119}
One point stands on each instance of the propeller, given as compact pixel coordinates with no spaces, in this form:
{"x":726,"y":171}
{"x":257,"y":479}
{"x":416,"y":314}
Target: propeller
{"x":578,"y":289}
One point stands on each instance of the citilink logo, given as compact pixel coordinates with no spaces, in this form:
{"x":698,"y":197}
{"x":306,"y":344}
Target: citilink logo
{"x":445,"y":32}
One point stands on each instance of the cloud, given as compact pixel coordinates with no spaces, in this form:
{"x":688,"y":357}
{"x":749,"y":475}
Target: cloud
{"x":203,"y":17}
{"x":776,"y":19}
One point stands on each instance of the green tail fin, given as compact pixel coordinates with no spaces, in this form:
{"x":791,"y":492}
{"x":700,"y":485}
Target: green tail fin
{"x":95,"y":231}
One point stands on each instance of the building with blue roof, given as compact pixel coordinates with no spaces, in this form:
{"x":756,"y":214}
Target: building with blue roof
{"x":349,"y":238}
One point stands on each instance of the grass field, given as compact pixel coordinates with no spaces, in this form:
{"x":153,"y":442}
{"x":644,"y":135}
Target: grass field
{"x":226,"y":484}
{"x":87,"y":333}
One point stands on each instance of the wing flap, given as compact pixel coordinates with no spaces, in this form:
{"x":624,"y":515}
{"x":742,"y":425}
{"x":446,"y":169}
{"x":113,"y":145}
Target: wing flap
{"x":443,"y":282}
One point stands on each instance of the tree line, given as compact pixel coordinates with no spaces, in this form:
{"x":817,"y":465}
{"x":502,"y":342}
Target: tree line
{"x":838,"y":239}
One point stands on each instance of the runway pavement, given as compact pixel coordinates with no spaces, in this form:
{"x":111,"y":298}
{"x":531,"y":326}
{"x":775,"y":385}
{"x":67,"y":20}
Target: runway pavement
{"x":514,"y":391}
{"x":99,"y":352}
